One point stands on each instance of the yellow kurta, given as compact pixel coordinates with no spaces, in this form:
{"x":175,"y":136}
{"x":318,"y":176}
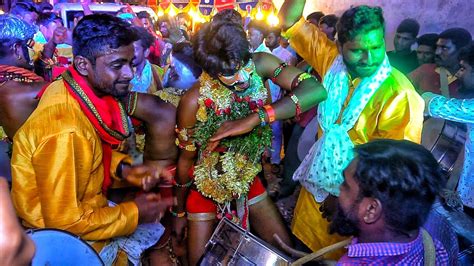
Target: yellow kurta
{"x":58,"y":172}
{"x":395,"y":112}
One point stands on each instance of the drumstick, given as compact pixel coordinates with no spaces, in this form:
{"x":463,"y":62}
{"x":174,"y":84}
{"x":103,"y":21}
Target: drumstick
{"x":293,"y":252}
{"x":321,"y":252}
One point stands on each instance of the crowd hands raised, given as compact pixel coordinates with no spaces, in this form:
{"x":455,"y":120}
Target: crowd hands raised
{"x":179,"y":99}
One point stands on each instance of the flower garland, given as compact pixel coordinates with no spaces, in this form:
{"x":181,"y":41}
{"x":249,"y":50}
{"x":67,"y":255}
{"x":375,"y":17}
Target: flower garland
{"x":227,"y":175}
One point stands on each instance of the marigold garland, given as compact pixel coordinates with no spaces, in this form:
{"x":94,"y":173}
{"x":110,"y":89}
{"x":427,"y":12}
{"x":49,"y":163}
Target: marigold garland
{"x":227,"y":175}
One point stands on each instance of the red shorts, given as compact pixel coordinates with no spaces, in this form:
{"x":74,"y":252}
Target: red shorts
{"x":202,"y":208}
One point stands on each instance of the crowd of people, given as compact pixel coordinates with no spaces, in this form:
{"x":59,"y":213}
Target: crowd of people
{"x":138,"y":136}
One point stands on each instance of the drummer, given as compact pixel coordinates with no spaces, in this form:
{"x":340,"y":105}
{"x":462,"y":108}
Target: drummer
{"x":460,"y":110}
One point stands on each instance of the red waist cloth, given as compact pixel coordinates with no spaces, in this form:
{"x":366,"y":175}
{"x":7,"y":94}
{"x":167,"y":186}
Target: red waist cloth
{"x":197,"y":203}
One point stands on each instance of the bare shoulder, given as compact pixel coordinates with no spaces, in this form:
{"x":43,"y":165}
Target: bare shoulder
{"x":152,"y":108}
{"x":265,"y":64}
{"x":188,"y":107}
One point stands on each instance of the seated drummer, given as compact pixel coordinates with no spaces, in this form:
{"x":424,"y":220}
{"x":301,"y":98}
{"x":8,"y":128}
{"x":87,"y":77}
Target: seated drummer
{"x":63,"y":162}
{"x":385,"y":198}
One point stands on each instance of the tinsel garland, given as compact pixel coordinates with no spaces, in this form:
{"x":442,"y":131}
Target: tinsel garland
{"x":224,"y":176}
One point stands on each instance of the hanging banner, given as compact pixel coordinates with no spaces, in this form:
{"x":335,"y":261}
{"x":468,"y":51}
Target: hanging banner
{"x":180,"y":4}
{"x":247,"y":5}
{"x":164,"y":4}
{"x":266,"y":4}
{"x":224,"y":4}
{"x":205,"y":7}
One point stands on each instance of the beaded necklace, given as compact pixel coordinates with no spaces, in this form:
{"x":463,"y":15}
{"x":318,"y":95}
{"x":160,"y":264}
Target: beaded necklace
{"x":18,"y":74}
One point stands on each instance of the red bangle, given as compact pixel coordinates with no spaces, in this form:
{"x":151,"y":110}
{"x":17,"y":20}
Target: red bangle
{"x":270,"y":113}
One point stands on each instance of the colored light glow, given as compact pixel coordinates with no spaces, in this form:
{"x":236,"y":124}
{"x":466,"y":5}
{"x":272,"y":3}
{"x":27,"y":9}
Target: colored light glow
{"x":259,"y":15}
{"x":160,"y":13}
{"x":2,"y":12}
{"x":273,"y":20}
{"x":172,"y":12}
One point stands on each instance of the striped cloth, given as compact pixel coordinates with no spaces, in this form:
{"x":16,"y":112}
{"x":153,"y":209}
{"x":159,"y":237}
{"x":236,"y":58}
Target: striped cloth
{"x":388,"y":253}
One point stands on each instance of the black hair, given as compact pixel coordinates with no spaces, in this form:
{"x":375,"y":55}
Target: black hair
{"x":275,"y":30}
{"x":144,"y":36}
{"x":21,"y":8}
{"x":227,"y":15}
{"x":46,"y":18}
{"x":404,"y":176}
{"x":143,"y":14}
{"x":258,"y":25}
{"x":428,"y":39}
{"x":467,"y":54}
{"x":459,"y":36}
{"x":13,"y":30}
{"x":44,"y":6}
{"x":359,"y":19}
{"x":183,"y":51}
{"x":315,"y":16}
{"x":96,"y":34}
{"x":221,"y":48}
{"x":409,"y":25}
{"x":330,"y":20}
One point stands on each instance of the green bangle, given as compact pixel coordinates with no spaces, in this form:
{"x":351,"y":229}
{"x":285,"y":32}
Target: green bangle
{"x":177,"y":214}
{"x":261,"y":116}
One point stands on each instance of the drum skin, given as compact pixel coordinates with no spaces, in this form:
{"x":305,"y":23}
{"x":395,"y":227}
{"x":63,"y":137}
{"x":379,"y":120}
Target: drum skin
{"x":57,"y":247}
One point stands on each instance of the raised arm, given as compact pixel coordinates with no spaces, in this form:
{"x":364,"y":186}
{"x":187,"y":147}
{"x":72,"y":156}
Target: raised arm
{"x":290,"y":12}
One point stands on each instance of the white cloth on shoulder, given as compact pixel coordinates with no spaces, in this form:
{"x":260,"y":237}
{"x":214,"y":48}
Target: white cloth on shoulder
{"x":321,"y":172}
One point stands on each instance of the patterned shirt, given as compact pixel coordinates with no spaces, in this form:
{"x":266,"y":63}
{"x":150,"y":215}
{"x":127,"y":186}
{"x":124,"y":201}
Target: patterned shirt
{"x":458,"y":111}
{"x":387,"y":253}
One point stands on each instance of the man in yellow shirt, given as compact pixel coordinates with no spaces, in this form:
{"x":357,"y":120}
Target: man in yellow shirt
{"x":63,"y":162}
{"x":367,"y":99}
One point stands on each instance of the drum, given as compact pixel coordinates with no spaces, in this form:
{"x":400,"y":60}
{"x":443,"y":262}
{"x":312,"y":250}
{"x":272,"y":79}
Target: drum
{"x":445,"y":139}
{"x":230,"y":244}
{"x":57,"y":247}
{"x":308,"y":138}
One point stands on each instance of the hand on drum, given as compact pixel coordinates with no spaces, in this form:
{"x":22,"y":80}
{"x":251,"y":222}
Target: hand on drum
{"x":147,"y":177}
{"x":151,"y":207}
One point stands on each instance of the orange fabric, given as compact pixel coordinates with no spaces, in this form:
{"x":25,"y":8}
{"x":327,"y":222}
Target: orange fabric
{"x":58,"y":172}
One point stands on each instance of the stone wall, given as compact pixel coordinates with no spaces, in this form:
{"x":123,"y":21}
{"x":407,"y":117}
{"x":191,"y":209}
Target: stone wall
{"x":433,"y":15}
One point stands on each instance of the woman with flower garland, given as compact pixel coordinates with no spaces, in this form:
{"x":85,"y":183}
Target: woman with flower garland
{"x":211,"y":176}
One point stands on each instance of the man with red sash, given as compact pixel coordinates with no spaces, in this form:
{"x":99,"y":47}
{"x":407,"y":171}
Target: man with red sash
{"x":63,"y":159}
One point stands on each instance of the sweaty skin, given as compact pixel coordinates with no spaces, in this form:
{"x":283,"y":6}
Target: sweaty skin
{"x":17,"y":102}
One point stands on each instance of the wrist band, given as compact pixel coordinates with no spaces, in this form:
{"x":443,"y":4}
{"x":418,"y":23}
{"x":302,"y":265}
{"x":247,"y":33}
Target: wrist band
{"x":270,"y":113}
{"x":277,"y":71}
{"x":297,"y":105}
{"x":177,"y":214}
{"x":261,"y":116}
{"x":298,"y":79}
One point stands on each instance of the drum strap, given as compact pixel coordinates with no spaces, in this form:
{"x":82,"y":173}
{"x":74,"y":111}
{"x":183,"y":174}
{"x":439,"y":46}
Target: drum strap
{"x":443,"y":82}
{"x":429,"y":249}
